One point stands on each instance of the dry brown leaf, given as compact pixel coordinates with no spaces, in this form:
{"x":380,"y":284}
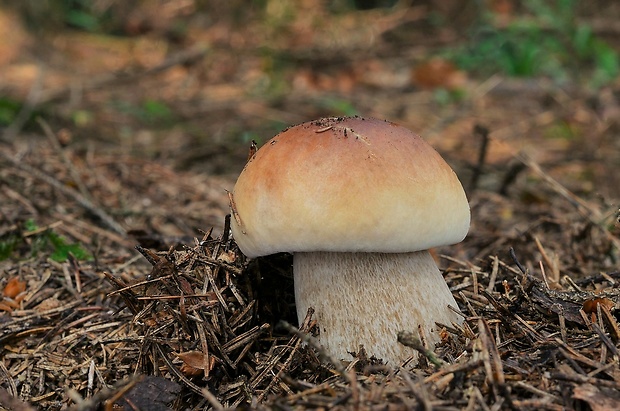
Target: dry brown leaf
{"x":596,"y":398}
{"x":227,"y":256}
{"x":589,"y":306}
{"x":14,"y":287}
{"x":193,"y":362}
{"x":48,"y":304}
{"x":151,"y":393}
{"x":438,"y":73}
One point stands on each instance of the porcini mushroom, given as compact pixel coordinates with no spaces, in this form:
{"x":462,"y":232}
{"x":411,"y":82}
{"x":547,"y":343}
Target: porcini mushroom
{"x":358,"y":201}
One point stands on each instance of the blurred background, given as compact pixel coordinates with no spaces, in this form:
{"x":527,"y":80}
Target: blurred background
{"x":156,"y":102}
{"x":125,"y":122}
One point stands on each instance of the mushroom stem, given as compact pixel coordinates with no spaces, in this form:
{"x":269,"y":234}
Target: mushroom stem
{"x":367,"y":298}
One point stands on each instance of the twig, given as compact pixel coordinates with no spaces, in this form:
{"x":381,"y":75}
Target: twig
{"x":409,"y":339}
{"x":283,"y":368}
{"x":555,"y":271}
{"x":419,"y":391}
{"x":454,"y":368}
{"x":104,"y":396}
{"x":483,"y":133}
{"x":47,"y":130}
{"x":494,"y":273}
{"x":585,"y":209}
{"x":513,"y":255}
{"x":8,"y":377}
{"x":208,"y":395}
{"x":80,"y":199}
{"x":493,"y":363}
{"x":314,"y":343}
{"x":605,"y":339}
{"x":13,"y":402}
{"x":583,"y":379}
{"x":174,"y":370}
{"x":510,"y":177}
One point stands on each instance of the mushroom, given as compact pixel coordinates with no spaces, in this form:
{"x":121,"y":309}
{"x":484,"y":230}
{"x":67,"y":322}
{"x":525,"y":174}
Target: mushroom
{"x":358,"y":201}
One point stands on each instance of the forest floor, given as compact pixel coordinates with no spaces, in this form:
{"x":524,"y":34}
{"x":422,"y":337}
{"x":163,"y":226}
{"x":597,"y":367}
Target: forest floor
{"x":134,"y":140}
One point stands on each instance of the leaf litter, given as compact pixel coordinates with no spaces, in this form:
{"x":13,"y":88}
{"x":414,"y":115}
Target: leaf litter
{"x":189,"y":323}
{"x":204,"y":328}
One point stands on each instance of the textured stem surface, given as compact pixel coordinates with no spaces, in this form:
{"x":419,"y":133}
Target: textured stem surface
{"x":367,"y":298}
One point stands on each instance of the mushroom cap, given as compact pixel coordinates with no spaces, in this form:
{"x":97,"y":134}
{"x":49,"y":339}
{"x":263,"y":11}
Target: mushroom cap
{"x":347,"y":184}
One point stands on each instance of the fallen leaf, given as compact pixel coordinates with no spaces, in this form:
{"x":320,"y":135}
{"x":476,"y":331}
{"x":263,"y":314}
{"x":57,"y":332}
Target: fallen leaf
{"x":14,"y":287}
{"x":227,"y":257}
{"x":438,"y":73}
{"x":589,"y":306}
{"x":193,"y":362}
{"x":151,"y":393}
{"x":598,"y":399}
{"x":48,"y":304}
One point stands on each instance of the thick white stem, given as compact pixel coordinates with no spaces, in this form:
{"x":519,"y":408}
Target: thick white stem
{"x":367,"y":298}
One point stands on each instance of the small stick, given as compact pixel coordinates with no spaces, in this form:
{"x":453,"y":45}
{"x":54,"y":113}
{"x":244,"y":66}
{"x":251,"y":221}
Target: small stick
{"x":483,"y":133}
{"x":606,"y":341}
{"x":420,"y":392}
{"x":513,"y":255}
{"x":555,"y":272}
{"x":562,"y":320}
{"x":474,"y":280}
{"x":472,"y":312}
{"x":80,"y":199}
{"x":544,"y":276}
{"x":12,"y":389}
{"x":494,"y":273}
{"x":614,"y":330}
{"x":324,"y":129}
{"x":409,"y":339}
{"x":493,"y":363}
{"x":314,"y":343}
{"x":47,"y":130}
{"x":91,"y":379}
{"x":233,"y":209}
{"x":225,"y":233}
{"x":510,"y":177}
{"x":208,"y":395}
{"x":584,"y":208}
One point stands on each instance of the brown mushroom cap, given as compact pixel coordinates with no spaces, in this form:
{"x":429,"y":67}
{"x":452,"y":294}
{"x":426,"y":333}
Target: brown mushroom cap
{"x":347,"y":184}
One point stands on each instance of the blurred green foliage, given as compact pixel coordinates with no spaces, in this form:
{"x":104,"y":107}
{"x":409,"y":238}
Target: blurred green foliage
{"x":546,"y":40}
{"x":88,"y":15}
{"x":562,"y":130}
{"x":8,"y":244}
{"x":45,"y":241}
{"x":12,"y":110}
{"x":339,"y":106}
{"x":80,"y":14}
{"x":150,"y":112}
{"x":8,"y":110}
{"x":445,"y":97}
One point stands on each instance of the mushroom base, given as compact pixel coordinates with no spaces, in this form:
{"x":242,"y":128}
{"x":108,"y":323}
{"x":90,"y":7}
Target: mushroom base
{"x":367,"y":298}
